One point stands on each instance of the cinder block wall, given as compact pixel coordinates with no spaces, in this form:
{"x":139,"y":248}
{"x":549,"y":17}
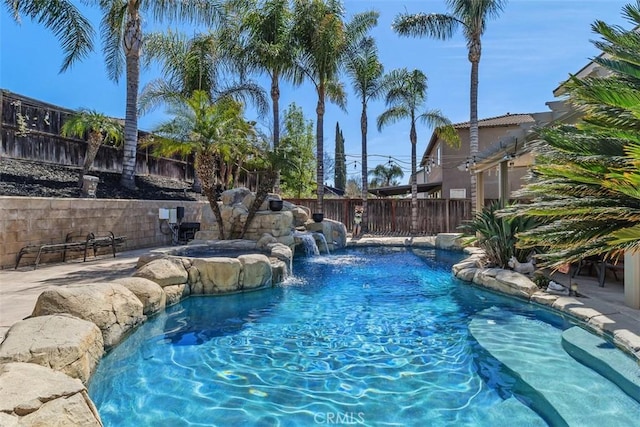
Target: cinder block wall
{"x":33,"y":221}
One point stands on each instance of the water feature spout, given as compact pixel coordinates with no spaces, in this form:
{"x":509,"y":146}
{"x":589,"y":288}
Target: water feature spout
{"x":308,"y":242}
{"x":322,"y":239}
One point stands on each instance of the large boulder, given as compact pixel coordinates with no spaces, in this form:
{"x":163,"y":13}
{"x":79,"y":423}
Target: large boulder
{"x":150,"y":294}
{"x":164,"y":271}
{"x":265,"y":240}
{"x":506,"y":281}
{"x":215,"y":275}
{"x":175,"y":293}
{"x":449,"y":241}
{"x":279,"y":270}
{"x":32,"y":395}
{"x":256,"y":271}
{"x":61,"y":342}
{"x":234,"y":196}
{"x":300,"y":215}
{"x":112,"y":307}
{"x":145,"y":259}
{"x":282,"y":252}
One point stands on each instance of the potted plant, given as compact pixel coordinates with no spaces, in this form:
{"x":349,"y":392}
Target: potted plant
{"x":275,"y":205}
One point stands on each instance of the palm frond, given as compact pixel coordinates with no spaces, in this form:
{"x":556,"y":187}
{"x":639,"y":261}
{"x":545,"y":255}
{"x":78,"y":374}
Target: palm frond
{"x":62,"y":17}
{"x":436,"y":25}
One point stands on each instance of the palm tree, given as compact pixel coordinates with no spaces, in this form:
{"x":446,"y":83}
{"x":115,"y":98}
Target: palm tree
{"x":121,"y":29}
{"x":406,"y":93}
{"x":365,"y":71}
{"x":385,"y":176}
{"x":586,"y":177}
{"x":471,"y":16}
{"x":99,"y":129}
{"x":190,"y":64}
{"x":62,"y":17}
{"x":324,"y":40}
{"x":200,"y":126}
{"x":265,"y":46}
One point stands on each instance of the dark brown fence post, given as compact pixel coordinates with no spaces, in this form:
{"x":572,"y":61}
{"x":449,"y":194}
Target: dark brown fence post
{"x":393,"y":215}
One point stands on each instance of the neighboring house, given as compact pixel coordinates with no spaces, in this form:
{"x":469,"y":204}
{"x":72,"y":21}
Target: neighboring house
{"x":449,"y":169}
{"x":508,"y":154}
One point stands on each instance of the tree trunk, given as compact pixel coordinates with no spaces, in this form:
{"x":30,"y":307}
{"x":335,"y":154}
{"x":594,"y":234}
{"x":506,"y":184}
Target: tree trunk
{"x":93,"y":145}
{"x":414,"y":182}
{"x":236,"y":177}
{"x":473,"y":129}
{"x":132,"y":45}
{"x":266,"y":184}
{"x":365,"y":184}
{"x":275,"y":102}
{"x":205,"y":169}
{"x":320,"y":149}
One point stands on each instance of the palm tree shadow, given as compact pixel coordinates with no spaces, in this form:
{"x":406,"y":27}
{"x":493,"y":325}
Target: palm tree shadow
{"x":97,"y":274}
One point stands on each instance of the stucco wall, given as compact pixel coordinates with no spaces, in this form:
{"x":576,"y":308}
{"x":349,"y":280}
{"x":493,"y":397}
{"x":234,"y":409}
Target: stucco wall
{"x":31,"y":221}
{"x":451,"y":177}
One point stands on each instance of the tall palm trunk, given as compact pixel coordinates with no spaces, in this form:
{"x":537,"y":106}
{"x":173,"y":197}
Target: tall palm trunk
{"x":414,"y":182}
{"x":132,"y":45}
{"x":275,"y":102}
{"x":93,"y":145}
{"x":365,"y":184}
{"x":474,"y":58}
{"x":320,"y":149}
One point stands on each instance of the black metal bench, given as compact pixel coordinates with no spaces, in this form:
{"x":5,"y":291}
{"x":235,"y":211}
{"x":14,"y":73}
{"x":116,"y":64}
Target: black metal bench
{"x":92,"y":241}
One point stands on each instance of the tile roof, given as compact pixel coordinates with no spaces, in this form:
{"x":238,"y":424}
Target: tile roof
{"x":504,"y":120}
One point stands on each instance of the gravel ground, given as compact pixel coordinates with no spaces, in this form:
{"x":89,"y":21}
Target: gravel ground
{"x":35,"y":179}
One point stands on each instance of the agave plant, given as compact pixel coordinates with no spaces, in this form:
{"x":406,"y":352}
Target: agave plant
{"x":497,"y":235}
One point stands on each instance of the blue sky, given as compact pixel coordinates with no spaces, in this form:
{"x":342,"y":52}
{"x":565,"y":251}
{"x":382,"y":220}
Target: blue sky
{"x":527,"y":52}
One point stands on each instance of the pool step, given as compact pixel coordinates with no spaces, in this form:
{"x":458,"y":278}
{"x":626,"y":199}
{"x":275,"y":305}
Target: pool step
{"x":604,"y":358}
{"x":512,"y":409}
{"x":567,"y":392}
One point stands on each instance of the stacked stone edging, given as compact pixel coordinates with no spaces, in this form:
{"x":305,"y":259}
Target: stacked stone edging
{"x":71,"y":326}
{"x":515,"y":284}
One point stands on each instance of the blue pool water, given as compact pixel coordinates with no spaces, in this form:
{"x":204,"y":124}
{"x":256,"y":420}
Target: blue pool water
{"x":374,"y":337}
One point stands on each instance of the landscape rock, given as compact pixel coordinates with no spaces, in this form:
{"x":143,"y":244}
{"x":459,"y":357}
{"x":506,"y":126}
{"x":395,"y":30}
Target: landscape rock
{"x":217,"y":275}
{"x":61,"y":342}
{"x":279,"y":270}
{"x":33,"y":395}
{"x":149,"y":293}
{"x":505,"y":281}
{"x":466,"y":274}
{"x":111,"y":306}
{"x":145,"y":259}
{"x":282,"y":252}
{"x":234,"y":196}
{"x":265,"y":240}
{"x":449,"y":241}
{"x":164,"y":271}
{"x":256,"y":271}
{"x":175,"y":293}
{"x":300,"y":216}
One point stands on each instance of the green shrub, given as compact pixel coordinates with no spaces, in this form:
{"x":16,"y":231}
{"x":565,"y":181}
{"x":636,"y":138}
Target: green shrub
{"x":496,"y":235}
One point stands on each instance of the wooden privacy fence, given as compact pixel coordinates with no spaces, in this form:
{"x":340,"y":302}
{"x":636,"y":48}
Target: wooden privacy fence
{"x":393,"y":216}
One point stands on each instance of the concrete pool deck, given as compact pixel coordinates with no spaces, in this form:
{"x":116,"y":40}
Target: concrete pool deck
{"x":19,"y":289}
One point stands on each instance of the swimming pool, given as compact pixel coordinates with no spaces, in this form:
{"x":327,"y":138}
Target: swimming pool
{"x":374,"y":336}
